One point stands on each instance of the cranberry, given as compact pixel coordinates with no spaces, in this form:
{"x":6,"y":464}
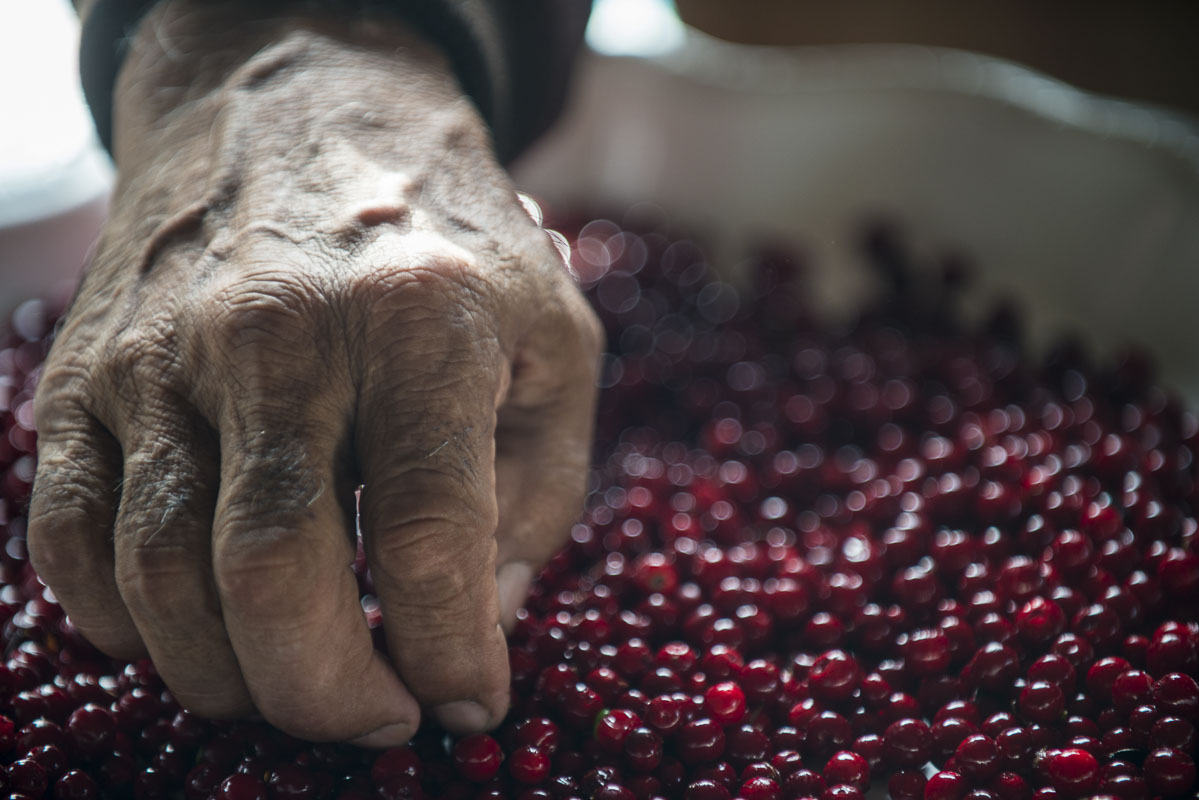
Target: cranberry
{"x":1039,"y":621}
{"x":725,"y":702}
{"x":477,"y":758}
{"x":705,"y":789}
{"x":76,"y":785}
{"x":654,"y":572}
{"x":826,"y":733}
{"x":241,"y":787}
{"x":949,"y":733}
{"x":760,"y":681}
{"x":1042,"y":702}
{"x":926,"y":651}
{"x":994,"y":667}
{"x":977,"y":758}
{"x":834,"y":677}
{"x":613,"y":791}
{"x":52,"y":759}
{"x":202,"y":780}
{"x":1010,"y":786}
{"x":540,"y":732}
{"x":1177,"y":694}
{"x":396,"y":761}
{"x":150,"y":785}
{"x":846,"y":767}
{"x":28,"y":776}
{"x":907,"y":785}
{"x":665,"y":713}
{"x":945,"y":786}
{"x":699,"y":741}
{"x":1125,"y":786}
{"x":746,"y":743}
{"x":760,"y":788}
{"x":529,"y":765}
{"x":580,"y":705}
{"x":1131,"y":689}
{"x":1073,"y":772}
{"x":643,"y":749}
{"x":597,"y":778}
{"x":1173,"y":732}
{"x":803,"y":783}
{"x":1169,"y":771}
{"x":1054,"y":669}
{"x":907,"y":743}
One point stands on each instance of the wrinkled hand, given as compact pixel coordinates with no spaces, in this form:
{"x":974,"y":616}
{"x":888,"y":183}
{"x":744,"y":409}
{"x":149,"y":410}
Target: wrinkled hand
{"x":315,"y":276}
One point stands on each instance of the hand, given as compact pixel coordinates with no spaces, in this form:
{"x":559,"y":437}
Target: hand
{"x":315,"y":276}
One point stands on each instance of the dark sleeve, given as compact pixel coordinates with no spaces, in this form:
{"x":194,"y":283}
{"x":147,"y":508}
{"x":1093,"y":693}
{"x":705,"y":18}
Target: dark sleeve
{"x":512,"y":57}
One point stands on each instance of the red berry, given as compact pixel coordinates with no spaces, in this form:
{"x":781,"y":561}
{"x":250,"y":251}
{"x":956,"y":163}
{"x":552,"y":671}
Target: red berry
{"x":396,"y":761}
{"x":760,"y":789}
{"x":1042,"y":702}
{"x":1169,"y":771}
{"x":1177,"y":694}
{"x":1074,"y":773}
{"x":478,"y":757}
{"x":28,"y":776}
{"x":241,"y":787}
{"x":834,"y":677}
{"x":907,"y":785}
{"x":907,"y":743}
{"x":725,"y":702}
{"x":643,"y":749}
{"x":529,"y":765}
{"x":76,"y":785}
{"x":945,"y":786}
{"x":705,"y":789}
{"x":700,"y":741}
{"x":654,"y":572}
{"x":977,"y":758}
{"x":847,"y":767}
{"x":92,"y":729}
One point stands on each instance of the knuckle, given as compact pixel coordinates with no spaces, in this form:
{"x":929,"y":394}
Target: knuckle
{"x":153,"y":579}
{"x":274,"y":479}
{"x":433,"y":566}
{"x":142,"y":352}
{"x":437,"y":279}
{"x":253,"y":569}
{"x":261,"y":309}
{"x":56,"y":564}
{"x":60,"y":514}
{"x":61,"y":389}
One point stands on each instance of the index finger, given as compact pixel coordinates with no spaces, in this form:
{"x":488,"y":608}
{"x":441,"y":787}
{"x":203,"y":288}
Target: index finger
{"x":283,"y":541}
{"x":427,"y":454}
{"x":283,"y":567}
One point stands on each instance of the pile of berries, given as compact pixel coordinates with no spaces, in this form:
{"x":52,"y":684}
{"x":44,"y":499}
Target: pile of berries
{"x":899,"y":557}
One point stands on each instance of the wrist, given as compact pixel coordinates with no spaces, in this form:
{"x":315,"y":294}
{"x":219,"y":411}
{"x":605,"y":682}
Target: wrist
{"x":281,"y":114}
{"x":191,"y":64}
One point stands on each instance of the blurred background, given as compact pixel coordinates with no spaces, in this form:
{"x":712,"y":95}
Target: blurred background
{"x":1056,"y":147}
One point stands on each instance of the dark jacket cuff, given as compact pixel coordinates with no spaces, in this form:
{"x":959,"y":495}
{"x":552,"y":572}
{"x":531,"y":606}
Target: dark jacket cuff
{"x":512,"y":57}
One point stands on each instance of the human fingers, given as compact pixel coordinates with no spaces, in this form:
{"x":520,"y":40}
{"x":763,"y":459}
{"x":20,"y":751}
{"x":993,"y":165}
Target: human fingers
{"x":543,"y":440}
{"x":71,"y":515}
{"x":426,"y":450}
{"x":282,"y":531}
{"x":163,"y":543}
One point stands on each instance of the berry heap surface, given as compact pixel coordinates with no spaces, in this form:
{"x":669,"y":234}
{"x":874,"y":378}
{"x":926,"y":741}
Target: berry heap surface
{"x":899,"y":557}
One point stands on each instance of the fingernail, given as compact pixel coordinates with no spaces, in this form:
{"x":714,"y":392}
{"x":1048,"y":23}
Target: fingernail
{"x":513,"y":580}
{"x":393,"y":735}
{"x":462,"y":716}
